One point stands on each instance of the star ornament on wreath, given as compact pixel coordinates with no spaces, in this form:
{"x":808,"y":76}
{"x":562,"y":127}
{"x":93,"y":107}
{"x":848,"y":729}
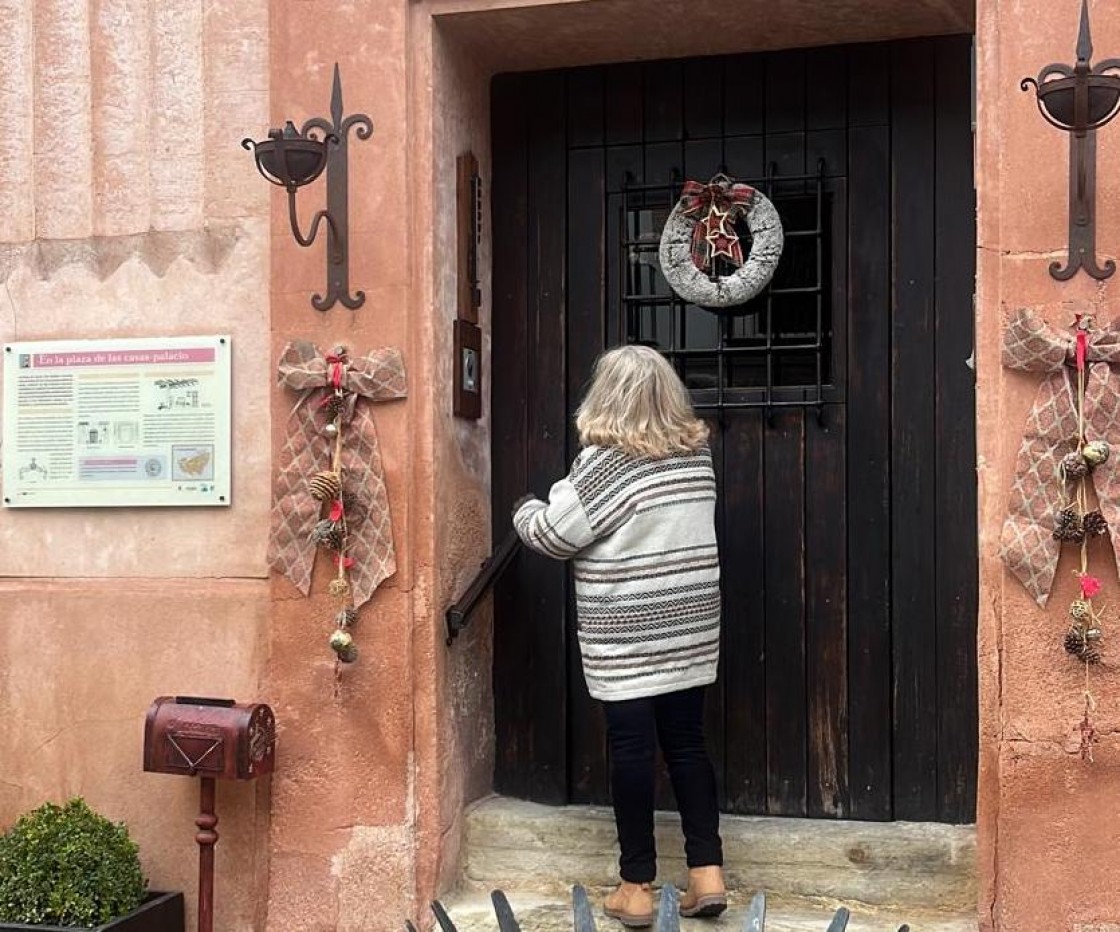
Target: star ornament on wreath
{"x":701,"y":229}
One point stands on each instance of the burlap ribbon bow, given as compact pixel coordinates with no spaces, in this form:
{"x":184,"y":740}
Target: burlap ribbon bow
{"x":1027,"y":544}
{"x":699,"y":200}
{"x":378,"y":376}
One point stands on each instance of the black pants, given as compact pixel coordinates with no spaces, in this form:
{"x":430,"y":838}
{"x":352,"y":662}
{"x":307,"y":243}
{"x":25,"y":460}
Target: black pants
{"x":634,"y":728}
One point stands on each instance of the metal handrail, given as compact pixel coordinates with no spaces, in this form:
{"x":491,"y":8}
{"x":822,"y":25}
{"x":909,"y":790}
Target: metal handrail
{"x":459,"y":614}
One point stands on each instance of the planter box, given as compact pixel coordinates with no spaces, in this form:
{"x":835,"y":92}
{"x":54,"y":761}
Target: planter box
{"x":160,"y":912}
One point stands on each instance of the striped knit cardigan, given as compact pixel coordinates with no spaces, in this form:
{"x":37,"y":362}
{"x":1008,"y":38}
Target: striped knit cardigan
{"x":641,"y":535}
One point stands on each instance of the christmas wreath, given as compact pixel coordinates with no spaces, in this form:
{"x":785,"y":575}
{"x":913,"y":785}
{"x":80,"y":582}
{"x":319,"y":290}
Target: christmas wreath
{"x":700,"y":231}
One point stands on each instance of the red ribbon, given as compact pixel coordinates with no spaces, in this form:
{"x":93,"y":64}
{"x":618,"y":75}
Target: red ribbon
{"x":1082,"y":346}
{"x":336,"y":363}
{"x":696,"y":196}
{"x":727,"y":198}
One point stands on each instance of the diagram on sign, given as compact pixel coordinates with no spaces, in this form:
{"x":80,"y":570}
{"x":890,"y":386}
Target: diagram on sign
{"x":32,"y":471}
{"x":178,"y":394}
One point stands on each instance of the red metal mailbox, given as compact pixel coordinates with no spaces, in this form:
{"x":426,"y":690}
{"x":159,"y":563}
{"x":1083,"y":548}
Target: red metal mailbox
{"x":214,"y":739}
{"x":218,"y":738}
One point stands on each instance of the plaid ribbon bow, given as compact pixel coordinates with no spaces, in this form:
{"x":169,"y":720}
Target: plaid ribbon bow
{"x":698,"y":200}
{"x":1027,"y":544}
{"x":376,"y":377}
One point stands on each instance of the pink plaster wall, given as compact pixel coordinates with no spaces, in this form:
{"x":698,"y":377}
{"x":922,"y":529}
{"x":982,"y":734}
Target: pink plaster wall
{"x":129,"y":210}
{"x":1045,"y":835}
{"x":353,"y":781}
{"x":462,"y":122}
{"x":388,"y":767}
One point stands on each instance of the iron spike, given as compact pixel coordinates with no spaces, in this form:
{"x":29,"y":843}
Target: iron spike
{"x":507,"y":922}
{"x":336,"y":98}
{"x":668,"y":913}
{"x":582,"y":918}
{"x":1084,"y":38}
{"x":756,"y":915}
{"x":442,"y":918}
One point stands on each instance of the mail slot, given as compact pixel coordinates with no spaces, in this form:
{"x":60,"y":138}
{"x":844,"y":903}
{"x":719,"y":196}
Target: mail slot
{"x":195,"y":736}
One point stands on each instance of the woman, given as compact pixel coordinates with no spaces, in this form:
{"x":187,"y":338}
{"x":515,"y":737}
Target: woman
{"x":636,"y":514}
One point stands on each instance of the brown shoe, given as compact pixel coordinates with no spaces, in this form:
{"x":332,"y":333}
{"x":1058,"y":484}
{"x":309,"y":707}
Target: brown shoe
{"x":706,"y":895}
{"x":631,"y":904}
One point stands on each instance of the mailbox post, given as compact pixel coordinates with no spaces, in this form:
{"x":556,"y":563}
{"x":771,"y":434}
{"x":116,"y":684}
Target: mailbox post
{"x":214,"y":739}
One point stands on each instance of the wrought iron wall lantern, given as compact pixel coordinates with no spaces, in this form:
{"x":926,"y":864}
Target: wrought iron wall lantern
{"x":292,"y":159}
{"x":1080,"y":100}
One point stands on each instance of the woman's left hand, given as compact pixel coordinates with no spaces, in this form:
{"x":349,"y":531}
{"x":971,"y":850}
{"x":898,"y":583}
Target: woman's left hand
{"x":521,"y":501}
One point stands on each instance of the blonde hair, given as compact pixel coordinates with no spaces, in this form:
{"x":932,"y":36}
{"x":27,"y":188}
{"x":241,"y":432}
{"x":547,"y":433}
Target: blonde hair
{"x":637,"y":403}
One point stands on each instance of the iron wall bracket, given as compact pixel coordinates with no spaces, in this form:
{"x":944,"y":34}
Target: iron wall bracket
{"x":338,"y":188}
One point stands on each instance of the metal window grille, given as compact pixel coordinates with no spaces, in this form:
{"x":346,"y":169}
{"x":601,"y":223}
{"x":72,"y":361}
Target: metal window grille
{"x":774,"y":351}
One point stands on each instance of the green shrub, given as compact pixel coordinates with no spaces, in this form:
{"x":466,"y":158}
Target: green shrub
{"x":66,"y":865}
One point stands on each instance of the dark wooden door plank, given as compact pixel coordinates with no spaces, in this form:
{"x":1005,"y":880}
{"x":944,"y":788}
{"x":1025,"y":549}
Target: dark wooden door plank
{"x":587,"y":761}
{"x":663,"y":98}
{"x":826,"y":589}
{"x":585,"y":107}
{"x":868,"y":480}
{"x":546,"y":580}
{"x":743,"y":555}
{"x":957,"y":582}
{"x":703,"y":98}
{"x":784,"y":533}
{"x":512,"y":699}
{"x":623,"y":86}
{"x":913,"y":438}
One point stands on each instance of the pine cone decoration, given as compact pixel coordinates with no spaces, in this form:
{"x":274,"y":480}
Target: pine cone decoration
{"x":1073,"y":466}
{"x":325,"y":486}
{"x":329,"y":534}
{"x":1080,"y":647}
{"x":1067,"y":517}
{"x":334,"y":406}
{"x":1080,"y":610}
{"x":1071,"y":533}
{"x":1094,"y":524}
{"x":346,"y":617}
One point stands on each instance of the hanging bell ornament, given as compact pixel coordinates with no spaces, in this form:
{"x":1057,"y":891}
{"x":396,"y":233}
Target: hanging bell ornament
{"x":1093,"y":634}
{"x":1073,"y":466}
{"x":341,"y":640}
{"x":1095,"y":452}
{"x":330,"y":429}
{"x":325,"y":486}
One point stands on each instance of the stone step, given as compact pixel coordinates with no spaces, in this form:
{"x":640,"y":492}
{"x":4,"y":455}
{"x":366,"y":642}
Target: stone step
{"x":471,"y":911}
{"x":924,"y":868}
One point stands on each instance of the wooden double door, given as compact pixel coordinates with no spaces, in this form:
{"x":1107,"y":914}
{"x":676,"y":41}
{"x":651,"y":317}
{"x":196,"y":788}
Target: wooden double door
{"x":841,"y":404}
